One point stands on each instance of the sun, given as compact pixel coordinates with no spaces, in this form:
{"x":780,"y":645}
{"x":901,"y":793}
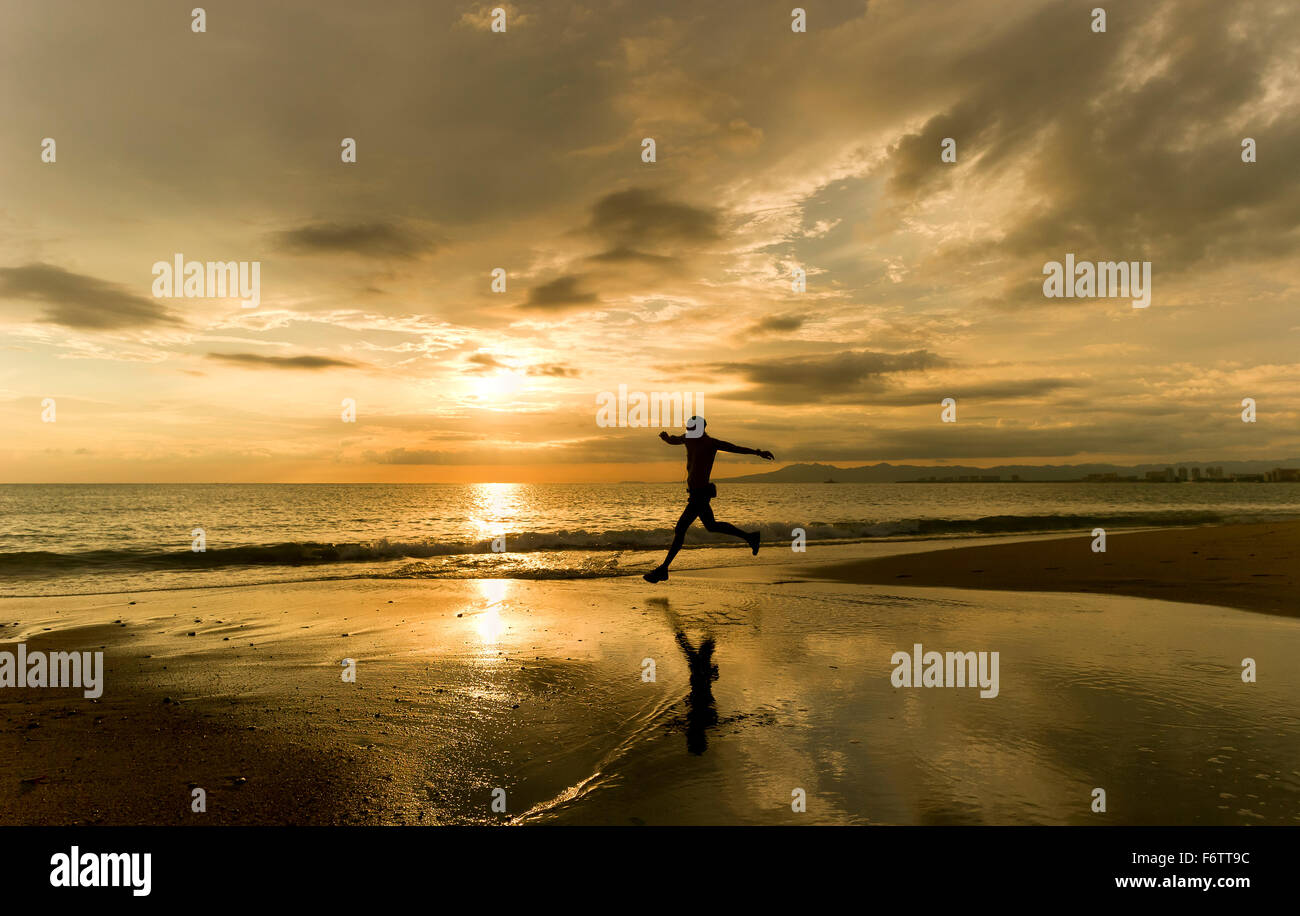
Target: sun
{"x":496,"y":387}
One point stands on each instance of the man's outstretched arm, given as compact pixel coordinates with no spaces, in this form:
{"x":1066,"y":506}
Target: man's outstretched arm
{"x":673,"y":440}
{"x":741,"y":450}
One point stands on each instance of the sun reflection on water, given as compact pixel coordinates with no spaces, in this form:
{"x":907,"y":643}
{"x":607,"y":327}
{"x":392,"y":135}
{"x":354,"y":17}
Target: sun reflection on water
{"x":489,"y":622}
{"x":494,"y":507}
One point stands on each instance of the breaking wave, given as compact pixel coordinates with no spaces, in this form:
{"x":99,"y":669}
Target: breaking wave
{"x":469,"y":555}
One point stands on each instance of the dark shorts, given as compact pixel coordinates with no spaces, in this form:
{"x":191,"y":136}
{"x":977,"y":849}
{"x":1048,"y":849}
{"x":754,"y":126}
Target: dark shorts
{"x":701,"y":494}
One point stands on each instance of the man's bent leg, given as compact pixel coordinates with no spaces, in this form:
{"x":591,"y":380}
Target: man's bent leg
{"x":712,"y":524}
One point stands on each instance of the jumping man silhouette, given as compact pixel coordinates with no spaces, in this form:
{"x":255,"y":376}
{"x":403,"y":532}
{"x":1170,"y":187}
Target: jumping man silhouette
{"x":701,"y":449}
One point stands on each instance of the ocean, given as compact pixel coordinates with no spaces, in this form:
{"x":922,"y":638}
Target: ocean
{"x":97,"y":538}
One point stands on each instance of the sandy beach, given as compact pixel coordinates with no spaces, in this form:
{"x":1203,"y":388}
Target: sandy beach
{"x":767,"y":678}
{"x":1256,"y":567}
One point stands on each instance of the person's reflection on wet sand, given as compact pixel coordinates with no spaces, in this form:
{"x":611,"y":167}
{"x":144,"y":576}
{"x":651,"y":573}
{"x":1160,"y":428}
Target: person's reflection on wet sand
{"x":701,"y":710}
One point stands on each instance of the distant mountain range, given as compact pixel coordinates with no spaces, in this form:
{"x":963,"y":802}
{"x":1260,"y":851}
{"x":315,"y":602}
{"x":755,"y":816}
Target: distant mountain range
{"x":896,"y":473}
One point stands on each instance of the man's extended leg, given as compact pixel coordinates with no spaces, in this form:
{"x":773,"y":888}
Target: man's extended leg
{"x":689,"y":514}
{"x":712,"y":524}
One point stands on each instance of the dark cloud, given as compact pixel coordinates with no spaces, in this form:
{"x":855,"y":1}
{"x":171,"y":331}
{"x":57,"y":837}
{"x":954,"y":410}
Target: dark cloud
{"x":776,"y":324}
{"x":967,"y":395}
{"x":847,"y":375}
{"x":926,"y":438}
{"x":484,"y":362}
{"x":79,"y":301}
{"x":370,"y":239}
{"x":554,"y":370}
{"x":640,"y":224}
{"x":962,"y":441}
{"x":283,"y":362}
{"x":624,"y":255}
{"x":561,"y":294}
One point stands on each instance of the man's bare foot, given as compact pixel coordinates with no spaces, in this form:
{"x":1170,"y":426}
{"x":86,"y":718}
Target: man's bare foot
{"x":659,"y":574}
{"x":753,"y":541}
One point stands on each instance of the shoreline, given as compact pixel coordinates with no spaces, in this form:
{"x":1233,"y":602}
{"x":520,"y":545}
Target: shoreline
{"x":694,"y":557}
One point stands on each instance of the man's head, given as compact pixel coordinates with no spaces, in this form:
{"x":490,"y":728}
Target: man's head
{"x":695,"y":427}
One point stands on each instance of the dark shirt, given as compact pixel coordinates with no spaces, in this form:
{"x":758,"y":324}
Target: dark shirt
{"x":700,"y":452}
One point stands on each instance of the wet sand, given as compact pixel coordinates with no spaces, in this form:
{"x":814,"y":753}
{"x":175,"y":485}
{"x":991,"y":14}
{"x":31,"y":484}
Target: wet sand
{"x":1255,"y":567}
{"x":763,"y":682}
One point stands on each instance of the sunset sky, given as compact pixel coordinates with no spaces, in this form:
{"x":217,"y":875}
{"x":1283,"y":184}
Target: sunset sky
{"x":522,"y":150}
